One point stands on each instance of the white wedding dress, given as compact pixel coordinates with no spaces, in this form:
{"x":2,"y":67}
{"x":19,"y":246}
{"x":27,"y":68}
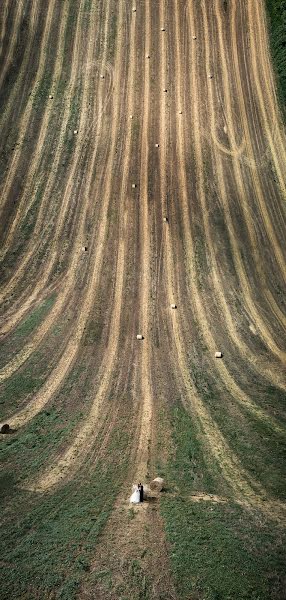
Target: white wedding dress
{"x":135,"y":497}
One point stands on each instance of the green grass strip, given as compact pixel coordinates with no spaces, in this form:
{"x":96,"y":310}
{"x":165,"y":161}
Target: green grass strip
{"x":276,"y":11}
{"x":219,"y":551}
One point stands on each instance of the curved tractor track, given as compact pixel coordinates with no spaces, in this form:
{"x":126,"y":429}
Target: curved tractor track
{"x":142,"y":165}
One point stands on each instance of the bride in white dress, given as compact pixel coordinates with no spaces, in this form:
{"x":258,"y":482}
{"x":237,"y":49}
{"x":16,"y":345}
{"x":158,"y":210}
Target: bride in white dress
{"x":135,"y":496}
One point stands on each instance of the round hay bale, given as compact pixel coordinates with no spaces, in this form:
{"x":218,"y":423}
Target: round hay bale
{"x":5,"y":428}
{"x":146,"y":491}
{"x":51,"y":96}
{"x":157,"y":484}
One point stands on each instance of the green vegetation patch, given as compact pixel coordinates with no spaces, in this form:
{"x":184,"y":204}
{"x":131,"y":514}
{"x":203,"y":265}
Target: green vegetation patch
{"x":14,"y":391}
{"x":27,"y":450}
{"x":219,"y":551}
{"x":48,"y":541}
{"x":35,"y":318}
{"x":276,"y":10}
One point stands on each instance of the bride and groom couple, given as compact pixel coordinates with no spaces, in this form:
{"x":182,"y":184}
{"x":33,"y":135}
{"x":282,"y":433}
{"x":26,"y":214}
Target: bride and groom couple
{"x":137,"y":495}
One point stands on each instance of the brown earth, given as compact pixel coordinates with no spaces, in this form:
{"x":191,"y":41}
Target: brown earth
{"x":218,"y":175}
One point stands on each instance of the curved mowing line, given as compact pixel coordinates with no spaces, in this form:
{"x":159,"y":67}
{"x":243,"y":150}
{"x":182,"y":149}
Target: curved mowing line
{"x":4,"y":17}
{"x":197,"y":300}
{"x":216,"y":281}
{"x":236,"y":253}
{"x":85,"y":438}
{"x":27,"y":197}
{"x":41,"y":227}
{"x":255,"y":176}
{"x":271,"y":301}
{"x":65,"y":363}
{"x":16,"y":90}
{"x":245,"y":286}
{"x":73,"y":457}
{"x":237,"y":478}
{"x":75,"y":258}
{"x":25,"y":119}
{"x":38,"y":233}
{"x":12,"y":41}
{"x":267,"y":93}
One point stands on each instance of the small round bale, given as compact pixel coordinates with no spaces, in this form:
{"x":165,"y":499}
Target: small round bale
{"x":156,"y":145}
{"x":51,"y":96}
{"x":218,"y":355}
{"x":139,"y":337}
{"x":133,"y":186}
{"x":165,"y":219}
{"x":194,"y":37}
{"x":147,"y":55}
{"x":157,"y":484}
{"x":180,"y":112}
{"x":101,"y":76}
{"x":163,"y":29}
{"x":210,"y":76}
{"x":146,"y":491}
{"x":5,"y":428}
{"x":165,"y":90}
{"x":173,"y":306}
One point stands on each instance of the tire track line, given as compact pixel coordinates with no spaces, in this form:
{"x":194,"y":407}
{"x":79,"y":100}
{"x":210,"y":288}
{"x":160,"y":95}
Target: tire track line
{"x":146,"y":392}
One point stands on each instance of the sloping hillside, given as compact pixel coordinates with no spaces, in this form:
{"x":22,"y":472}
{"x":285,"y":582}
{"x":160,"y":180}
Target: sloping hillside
{"x":142,"y":165}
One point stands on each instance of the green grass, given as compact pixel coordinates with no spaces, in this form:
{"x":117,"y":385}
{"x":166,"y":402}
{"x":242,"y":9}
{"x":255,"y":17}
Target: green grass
{"x":218,"y":551}
{"x":276,"y":10}
{"x":14,"y":391}
{"x":47,"y":549}
{"x":34,"y":319}
{"x":260,"y":450}
{"x":31,"y":447}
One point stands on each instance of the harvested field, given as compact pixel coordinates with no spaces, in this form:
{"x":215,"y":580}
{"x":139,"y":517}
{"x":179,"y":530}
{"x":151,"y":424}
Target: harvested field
{"x":143,"y":312}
